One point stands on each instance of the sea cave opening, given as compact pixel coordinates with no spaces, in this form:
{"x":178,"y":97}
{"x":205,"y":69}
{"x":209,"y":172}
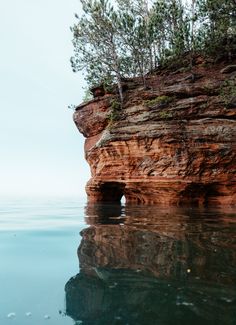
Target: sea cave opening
{"x":123,"y":200}
{"x":112,"y":192}
{"x":199,"y":194}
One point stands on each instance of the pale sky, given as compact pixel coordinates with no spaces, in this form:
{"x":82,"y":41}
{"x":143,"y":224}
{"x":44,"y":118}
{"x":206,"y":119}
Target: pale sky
{"x":41,"y":151}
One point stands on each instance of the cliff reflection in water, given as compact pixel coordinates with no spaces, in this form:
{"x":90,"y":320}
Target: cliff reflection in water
{"x":155,"y":266}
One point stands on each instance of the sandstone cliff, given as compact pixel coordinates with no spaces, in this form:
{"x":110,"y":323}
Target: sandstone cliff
{"x":173,"y":142}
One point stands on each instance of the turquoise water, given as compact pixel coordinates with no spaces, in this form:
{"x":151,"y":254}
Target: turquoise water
{"x":38,"y":243}
{"x":63,"y":262}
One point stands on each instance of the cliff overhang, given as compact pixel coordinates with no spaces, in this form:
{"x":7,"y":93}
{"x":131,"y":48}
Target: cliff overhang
{"x":173,"y":142}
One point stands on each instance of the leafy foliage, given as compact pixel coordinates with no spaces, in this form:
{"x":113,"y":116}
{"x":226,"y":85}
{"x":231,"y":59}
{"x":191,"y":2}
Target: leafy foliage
{"x":72,"y":106}
{"x":217,"y":31}
{"x":165,"y":115}
{"x":131,"y":38}
{"x":159,"y":102}
{"x":87,"y":95}
{"x":115,"y":111}
{"x":228,"y":92}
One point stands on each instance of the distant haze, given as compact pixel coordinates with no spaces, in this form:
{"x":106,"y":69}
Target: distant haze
{"x":40,"y":147}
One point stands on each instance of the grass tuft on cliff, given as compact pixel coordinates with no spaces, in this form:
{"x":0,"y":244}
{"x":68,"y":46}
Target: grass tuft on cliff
{"x":159,"y":102}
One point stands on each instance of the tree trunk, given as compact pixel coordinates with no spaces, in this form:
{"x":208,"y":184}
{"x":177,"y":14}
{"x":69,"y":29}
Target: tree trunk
{"x":192,"y":34}
{"x":119,"y":83}
{"x":117,"y":71}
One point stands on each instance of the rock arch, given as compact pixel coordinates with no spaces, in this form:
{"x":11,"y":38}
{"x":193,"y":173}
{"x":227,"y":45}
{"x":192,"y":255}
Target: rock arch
{"x":111,"y":191}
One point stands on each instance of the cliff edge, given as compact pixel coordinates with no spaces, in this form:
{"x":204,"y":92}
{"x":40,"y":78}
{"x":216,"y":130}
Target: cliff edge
{"x":173,"y":142}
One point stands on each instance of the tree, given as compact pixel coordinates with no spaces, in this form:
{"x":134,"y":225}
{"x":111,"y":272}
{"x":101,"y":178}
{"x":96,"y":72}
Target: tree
{"x":217,"y":20}
{"x":97,"y":44}
{"x":170,"y":25}
{"x":135,"y":35}
{"x":131,"y":38}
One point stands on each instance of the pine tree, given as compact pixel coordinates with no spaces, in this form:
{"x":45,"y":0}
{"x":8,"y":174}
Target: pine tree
{"x":217,"y":25}
{"x":131,"y":38}
{"x":170,"y":28}
{"x":97,"y":44}
{"x":134,"y":32}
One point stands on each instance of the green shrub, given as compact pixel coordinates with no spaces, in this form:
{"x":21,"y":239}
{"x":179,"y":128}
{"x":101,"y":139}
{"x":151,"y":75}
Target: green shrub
{"x":165,"y":115}
{"x":108,"y":86}
{"x":115,"y":110}
{"x":228,"y":92}
{"x":87,"y":95}
{"x":160,"y":101}
{"x":72,"y":106}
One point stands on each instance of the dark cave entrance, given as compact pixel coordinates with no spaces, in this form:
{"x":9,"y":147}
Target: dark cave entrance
{"x":199,"y":194}
{"x":112,"y":192}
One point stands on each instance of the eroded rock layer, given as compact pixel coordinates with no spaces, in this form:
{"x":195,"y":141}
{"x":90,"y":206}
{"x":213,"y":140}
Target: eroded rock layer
{"x":151,"y":265}
{"x":173,"y":142}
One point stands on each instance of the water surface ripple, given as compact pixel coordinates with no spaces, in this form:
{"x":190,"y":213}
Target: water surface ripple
{"x":64,"y":262}
{"x":149,"y":265}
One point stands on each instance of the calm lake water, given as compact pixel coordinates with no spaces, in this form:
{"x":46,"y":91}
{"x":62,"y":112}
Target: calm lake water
{"x":63,"y":262}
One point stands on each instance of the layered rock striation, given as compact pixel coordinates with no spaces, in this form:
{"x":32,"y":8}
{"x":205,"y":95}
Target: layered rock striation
{"x":173,"y":141}
{"x":164,"y":242}
{"x":143,"y":266}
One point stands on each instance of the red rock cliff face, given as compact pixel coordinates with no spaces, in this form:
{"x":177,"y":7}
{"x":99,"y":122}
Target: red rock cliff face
{"x":173,"y":143}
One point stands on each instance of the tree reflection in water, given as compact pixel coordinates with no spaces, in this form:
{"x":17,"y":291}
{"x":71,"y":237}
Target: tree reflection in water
{"x":146,"y":265}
